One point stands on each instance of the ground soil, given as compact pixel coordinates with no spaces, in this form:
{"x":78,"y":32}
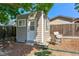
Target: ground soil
{"x":22,"y":49}
{"x":18,"y":49}
{"x":66,"y":45}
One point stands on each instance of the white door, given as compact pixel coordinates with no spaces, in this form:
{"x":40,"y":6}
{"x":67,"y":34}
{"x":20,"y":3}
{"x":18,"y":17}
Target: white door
{"x":31,"y":32}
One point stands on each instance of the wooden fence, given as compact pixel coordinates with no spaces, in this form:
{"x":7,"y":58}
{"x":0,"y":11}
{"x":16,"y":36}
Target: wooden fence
{"x":66,"y":29}
{"x":7,"y":32}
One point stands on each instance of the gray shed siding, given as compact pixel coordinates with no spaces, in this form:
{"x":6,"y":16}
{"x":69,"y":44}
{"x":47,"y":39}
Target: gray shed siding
{"x":21,"y":34}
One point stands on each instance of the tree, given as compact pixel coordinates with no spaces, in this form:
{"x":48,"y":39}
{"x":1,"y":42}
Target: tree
{"x":45,"y":7}
{"x":77,"y":6}
{"x":9,"y":11}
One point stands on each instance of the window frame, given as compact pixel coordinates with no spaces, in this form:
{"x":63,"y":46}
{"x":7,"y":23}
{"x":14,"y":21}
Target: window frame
{"x":23,"y":23}
{"x":32,"y":25}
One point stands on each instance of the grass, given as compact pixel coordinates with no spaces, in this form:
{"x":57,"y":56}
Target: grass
{"x":43,"y":53}
{"x":73,"y":52}
{"x":49,"y":53}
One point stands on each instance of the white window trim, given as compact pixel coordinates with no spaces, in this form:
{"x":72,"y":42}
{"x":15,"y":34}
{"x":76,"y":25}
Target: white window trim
{"x":33,"y":25}
{"x":42,"y":28}
{"x":22,"y":23}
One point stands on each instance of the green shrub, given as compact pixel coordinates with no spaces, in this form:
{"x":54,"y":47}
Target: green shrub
{"x":43,"y":53}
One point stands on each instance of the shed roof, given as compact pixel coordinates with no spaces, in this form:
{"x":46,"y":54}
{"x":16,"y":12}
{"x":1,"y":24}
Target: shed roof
{"x":25,"y":16}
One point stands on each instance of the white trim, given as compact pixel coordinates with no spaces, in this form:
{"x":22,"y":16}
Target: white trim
{"x":23,"y":24}
{"x":47,"y":25}
{"x":42,"y":28}
{"x":31,"y":32}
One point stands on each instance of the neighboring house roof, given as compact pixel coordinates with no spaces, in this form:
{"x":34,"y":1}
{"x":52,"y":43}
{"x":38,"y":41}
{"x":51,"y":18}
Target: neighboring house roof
{"x":59,"y":22}
{"x":63,"y":18}
{"x":76,"y":20}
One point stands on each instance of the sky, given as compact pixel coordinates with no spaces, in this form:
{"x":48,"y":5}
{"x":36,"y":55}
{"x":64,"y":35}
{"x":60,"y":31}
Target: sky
{"x":63,"y":9}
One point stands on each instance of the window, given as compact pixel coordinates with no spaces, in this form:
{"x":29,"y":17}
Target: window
{"x":32,"y":26}
{"x":21,"y":22}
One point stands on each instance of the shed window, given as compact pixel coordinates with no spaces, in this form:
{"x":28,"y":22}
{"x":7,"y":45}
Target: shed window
{"x":21,"y":23}
{"x":32,"y":26}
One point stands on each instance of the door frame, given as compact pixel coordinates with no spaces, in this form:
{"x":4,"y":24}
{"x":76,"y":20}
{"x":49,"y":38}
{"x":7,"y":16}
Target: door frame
{"x":28,"y":28}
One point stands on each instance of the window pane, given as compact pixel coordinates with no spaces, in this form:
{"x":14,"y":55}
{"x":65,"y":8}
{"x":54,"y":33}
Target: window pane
{"x":20,"y":23}
{"x":24,"y":22}
{"x":32,"y":28}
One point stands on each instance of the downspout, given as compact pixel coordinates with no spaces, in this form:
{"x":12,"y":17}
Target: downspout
{"x":42,"y":28}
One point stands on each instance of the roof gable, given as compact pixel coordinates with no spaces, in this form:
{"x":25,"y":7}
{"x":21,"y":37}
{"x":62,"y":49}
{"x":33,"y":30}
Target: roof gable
{"x":26,"y":16}
{"x":59,"y":21}
{"x":62,"y":18}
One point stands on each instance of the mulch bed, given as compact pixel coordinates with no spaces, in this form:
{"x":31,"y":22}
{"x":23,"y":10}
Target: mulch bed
{"x":18,"y":49}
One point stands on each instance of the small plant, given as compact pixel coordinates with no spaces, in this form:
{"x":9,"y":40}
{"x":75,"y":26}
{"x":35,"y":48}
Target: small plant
{"x":43,"y":53}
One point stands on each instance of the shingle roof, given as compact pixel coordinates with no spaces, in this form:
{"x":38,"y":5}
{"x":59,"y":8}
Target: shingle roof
{"x":76,"y":20}
{"x":63,"y":18}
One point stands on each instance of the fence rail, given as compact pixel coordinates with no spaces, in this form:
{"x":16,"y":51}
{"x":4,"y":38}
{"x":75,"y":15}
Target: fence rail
{"x":66,"y":29}
{"x":7,"y":33}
